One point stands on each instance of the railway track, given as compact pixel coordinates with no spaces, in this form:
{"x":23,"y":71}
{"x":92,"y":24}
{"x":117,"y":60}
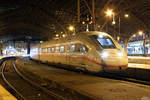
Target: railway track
{"x":52,"y":94}
{"x":37,"y":92}
{"x":9,"y":84}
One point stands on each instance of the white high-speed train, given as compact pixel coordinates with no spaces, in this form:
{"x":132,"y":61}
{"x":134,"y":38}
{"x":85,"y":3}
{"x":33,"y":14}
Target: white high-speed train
{"x":90,"y":51}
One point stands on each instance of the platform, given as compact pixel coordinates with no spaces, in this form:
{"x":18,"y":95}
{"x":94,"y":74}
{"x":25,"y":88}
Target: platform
{"x":139,"y":57}
{"x":5,"y":95}
{"x":98,"y":88}
{"x":2,"y":57}
{"x":140,"y":66}
{"x":139,"y":60}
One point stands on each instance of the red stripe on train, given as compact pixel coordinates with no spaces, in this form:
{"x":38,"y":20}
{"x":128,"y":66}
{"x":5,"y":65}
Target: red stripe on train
{"x":83,"y":57}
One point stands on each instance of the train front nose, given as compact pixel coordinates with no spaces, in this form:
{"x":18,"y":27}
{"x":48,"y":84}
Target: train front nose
{"x":114,"y":60}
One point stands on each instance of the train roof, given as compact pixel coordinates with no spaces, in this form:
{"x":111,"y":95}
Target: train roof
{"x":94,"y":33}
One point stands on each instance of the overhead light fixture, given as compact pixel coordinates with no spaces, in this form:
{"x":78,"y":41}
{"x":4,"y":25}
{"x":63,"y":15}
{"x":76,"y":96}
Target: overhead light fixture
{"x":71,"y":28}
{"x":109,"y":12}
{"x":140,"y":32}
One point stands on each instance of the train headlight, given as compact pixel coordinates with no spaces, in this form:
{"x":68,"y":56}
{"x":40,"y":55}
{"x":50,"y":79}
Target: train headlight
{"x":120,"y":53}
{"x":105,"y":54}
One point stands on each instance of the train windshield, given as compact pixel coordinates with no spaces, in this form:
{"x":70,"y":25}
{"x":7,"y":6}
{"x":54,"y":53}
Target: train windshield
{"x":105,"y":41}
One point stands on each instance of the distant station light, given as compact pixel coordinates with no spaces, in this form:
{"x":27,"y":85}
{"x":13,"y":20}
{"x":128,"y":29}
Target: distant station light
{"x":41,"y":41}
{"x":90,"y":22}
{"x":63,"y":35}
{"x":113,"y":22}
{"x":83,"y":22}
{"x":118,"y":38}
{"x":71,"y":28}
{"x":57,"y":35}
{"x":134,"y":35}
{"x":98,"y":26}
{"x":126,"y":15}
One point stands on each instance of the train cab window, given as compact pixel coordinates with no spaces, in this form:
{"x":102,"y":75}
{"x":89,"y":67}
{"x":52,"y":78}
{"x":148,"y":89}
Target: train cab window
{"x":72,"y":49}
{"x":105,"y":41}
{"x":62,"y":49}
{"x":52,"y":50}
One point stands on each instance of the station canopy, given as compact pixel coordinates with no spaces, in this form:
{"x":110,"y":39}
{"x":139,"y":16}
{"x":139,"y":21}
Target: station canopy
{"x":42,"y":19}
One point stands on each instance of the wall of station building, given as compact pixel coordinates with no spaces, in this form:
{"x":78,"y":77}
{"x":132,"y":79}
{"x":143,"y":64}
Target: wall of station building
{"x":18,"y":48}
{"x":137,"y":47}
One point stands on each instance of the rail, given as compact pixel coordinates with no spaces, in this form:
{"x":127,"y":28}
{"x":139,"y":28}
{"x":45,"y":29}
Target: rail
{"x":48,"y":92}
{"x":9,"y":84}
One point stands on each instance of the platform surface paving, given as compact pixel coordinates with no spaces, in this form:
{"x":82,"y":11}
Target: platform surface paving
{"x":140,"y":66}
{"x":5,"y":95}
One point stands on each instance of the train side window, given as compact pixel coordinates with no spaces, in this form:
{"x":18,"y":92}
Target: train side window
{"x":84,"y":49}
{"x":48,"y":50}
{"x":81,"y":48}
{"x":62,"y":49}
{"x":53,"y":50}
{"x":40,"y":50}
{"x":57,"y":49}
{"x":72,"y":49}
{"x":44,"y":50}
{"x":67,"y":48}
{"x":37,"y":50}
{"x":78,"y":47}
{"x":34,"y":50}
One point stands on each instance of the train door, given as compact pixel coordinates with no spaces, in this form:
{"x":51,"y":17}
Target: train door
{"x":77,"y":55}
{"x":67,"y":54}
{"x":72,"y":56}
{"x":84,"y":55}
